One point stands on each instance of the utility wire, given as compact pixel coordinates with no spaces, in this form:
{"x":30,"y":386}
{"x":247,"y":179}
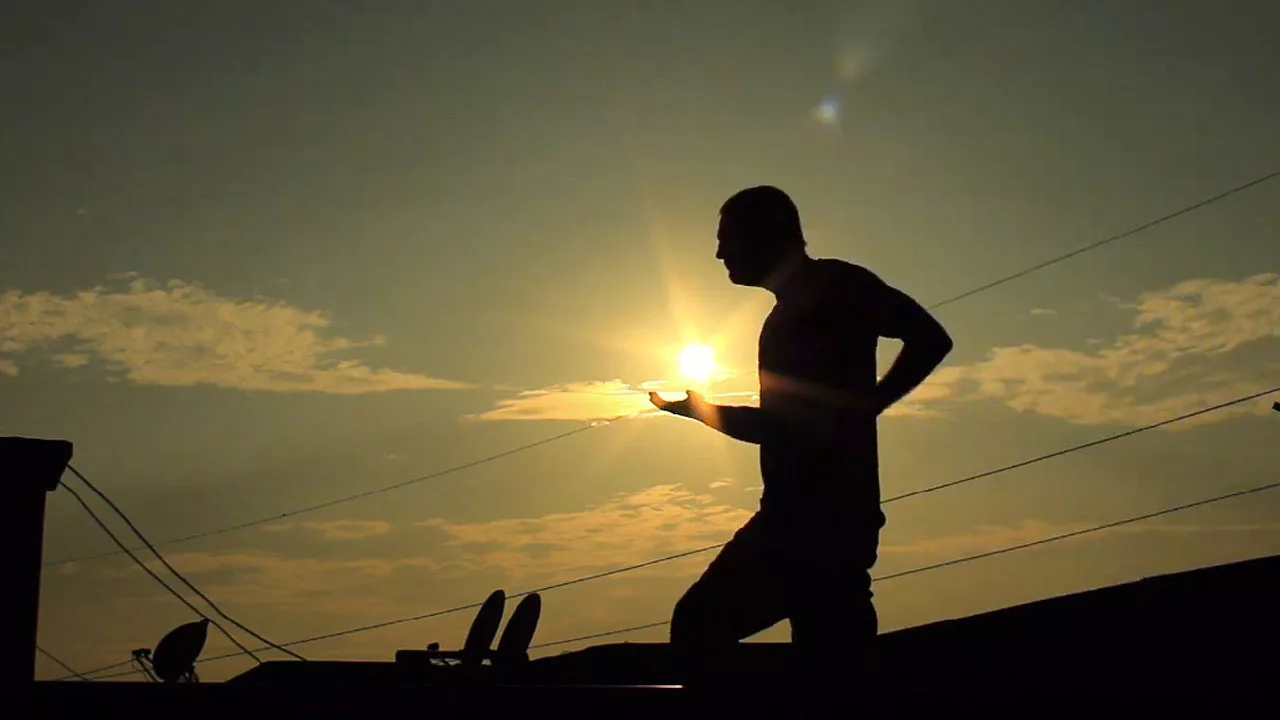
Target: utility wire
{"x":594,"y":636}
{"x":348,"y":498}
{"x":60,"y":664}
{"x":1106,"y":241}
{"x":153,"y":575}
{"x":104,"y":668}
{"x":982,"y":288}
{"x":1086,"y":531}
{"x":173,"y":570}
{"x":1083,"y":446}
{"x":140,"y":669}
{"x":584,"y":428}
{"x":668,"y":558}
{"x":135,"y":671}
{"x":447,"y":611}
{"x":979,"y":556}
{"x":472,"y":606}
{"x":708,"y":548}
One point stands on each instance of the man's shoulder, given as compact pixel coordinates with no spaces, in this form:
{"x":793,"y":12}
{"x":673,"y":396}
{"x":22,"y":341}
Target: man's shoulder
{"x":837,"y":274}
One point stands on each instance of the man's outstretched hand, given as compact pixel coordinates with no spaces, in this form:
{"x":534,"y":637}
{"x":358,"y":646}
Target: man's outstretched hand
{"x":692,"y":406}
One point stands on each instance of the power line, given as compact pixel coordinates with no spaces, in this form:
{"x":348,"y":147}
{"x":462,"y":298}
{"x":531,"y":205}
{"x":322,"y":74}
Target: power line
{"x":575,"y":431}
{"x":1086,"y":531}
{"x":348,"y":498}
{"x":135,"y":671}
{"x":956,"y":298}
{"x":708,"y":548}
{"x":990,"y":553}
{"x":152,"y":573}
{"x":104,"y":668}
{"x":142,"y":670}
{"x":688,"y":553}
{"x":60,"y":664}
{"x":1083,"y":446}
{"x":173,"y":570}
{"x":447,"y":611}
{"x":473,"y":606}
{"x":1106,"y":241}
{"x":595,"y":636}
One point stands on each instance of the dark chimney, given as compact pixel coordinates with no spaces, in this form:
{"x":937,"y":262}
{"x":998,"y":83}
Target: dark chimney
{"x":29,"y":469}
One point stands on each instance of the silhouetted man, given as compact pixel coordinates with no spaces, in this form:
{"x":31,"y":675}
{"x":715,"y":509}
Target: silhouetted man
{"x":806,"y":555}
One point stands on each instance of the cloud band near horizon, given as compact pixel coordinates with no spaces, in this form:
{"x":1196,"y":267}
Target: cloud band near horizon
{"x":179,"y":334}
{"x":1163,"y":368}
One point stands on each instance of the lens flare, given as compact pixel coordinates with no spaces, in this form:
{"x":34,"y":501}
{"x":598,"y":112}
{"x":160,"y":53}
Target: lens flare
{"x":697,"y":363}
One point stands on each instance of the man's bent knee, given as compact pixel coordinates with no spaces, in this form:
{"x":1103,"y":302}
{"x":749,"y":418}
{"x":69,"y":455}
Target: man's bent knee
{"x":694,"y":623}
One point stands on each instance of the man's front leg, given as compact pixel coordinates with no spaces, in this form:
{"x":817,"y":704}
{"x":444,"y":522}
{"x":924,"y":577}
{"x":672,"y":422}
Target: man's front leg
{"x":732,"y":600}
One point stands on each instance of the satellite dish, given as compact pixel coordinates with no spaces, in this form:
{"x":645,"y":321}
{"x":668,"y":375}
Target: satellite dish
{"x":174,"y":659}
{"x":485,"y":627}
{"x":516,"y":636}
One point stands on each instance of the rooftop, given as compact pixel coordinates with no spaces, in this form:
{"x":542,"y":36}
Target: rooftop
{"x":1192,"y":637}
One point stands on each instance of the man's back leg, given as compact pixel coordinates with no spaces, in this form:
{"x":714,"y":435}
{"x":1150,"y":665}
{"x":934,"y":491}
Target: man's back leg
{"x":834,"y":631}
{"x":736,"y":597}
{"x":833,"y":617}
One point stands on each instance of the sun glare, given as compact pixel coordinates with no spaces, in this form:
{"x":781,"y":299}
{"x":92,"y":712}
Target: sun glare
{"x":697,"y":363}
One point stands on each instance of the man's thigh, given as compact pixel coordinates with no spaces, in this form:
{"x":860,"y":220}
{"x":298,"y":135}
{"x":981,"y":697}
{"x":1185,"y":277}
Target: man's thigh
{"x":739,"y":594}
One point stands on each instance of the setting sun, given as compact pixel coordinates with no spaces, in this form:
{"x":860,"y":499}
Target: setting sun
{"x":697,"y":363}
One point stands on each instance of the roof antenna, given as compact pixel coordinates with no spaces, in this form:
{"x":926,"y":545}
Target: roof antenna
{"x":513,"y":646}
{"x":174,"y":659}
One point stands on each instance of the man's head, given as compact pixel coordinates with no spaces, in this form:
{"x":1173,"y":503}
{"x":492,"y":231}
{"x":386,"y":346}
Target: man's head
{"x":759,"y":232}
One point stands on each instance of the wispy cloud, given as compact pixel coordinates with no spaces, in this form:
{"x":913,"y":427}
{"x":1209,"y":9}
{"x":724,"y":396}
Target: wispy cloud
{"x":1161,"y":369}
{"x":593,"y":400}
{"x":1043,"y":311}
{"x":589,"y":400}
{"x":319,"y":584}
{"x":983,"y":538}
{"x":72,"y":360}
{"x":181,"y":334}
{"x":337,"y":529}
{"x":627,"y":529}
{"x":607,"y":399}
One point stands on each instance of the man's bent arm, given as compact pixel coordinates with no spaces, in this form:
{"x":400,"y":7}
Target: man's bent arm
{"x":912,"y":366}
{"x":925,"y":345}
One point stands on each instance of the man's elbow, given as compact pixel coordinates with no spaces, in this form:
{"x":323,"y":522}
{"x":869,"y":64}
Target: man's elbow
{"x":934,"y":342}
{"x":944,"y":343}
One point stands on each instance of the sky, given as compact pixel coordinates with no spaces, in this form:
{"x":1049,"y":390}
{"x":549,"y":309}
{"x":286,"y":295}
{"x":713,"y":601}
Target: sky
{"x":258,"y":257}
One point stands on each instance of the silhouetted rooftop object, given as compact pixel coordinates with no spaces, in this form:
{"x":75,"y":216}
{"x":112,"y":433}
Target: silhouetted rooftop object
{"x":1194,"y":624}
{"x":1199,"y":638}
{"x":485,"y":627}
{"x":30,"y":468}
{"x":1199,"y":623}
{"x":174,"y":659}
{"x":518,"y":634}
{"x":42,"y":461}
{"x":513,"y":647}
